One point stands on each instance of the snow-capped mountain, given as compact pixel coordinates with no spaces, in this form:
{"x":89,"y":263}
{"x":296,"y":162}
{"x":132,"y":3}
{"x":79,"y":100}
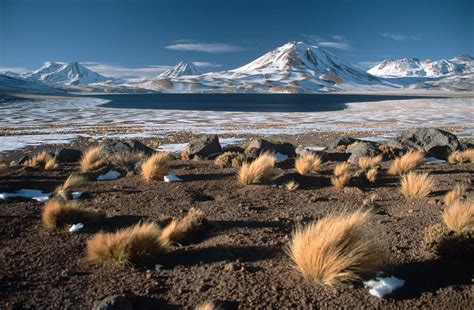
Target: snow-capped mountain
{"x":183,"y":68}
{"x":293,"y":67}
{"x":10,"y":84}
{"x":413,"y":67}
{"x":72,"y":73}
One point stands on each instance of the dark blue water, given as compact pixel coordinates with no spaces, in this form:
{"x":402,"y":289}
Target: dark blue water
{"x":243,"y":102}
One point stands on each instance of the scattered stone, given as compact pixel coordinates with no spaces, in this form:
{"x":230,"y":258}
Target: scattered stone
{"x":334,"y":146}
{"x":434,"y":142}
{"x":258,"y":146}
{"x":206,"y":146}
{"x":124,"y":147}
{"x":361,"y":149}
{"x":67,"y":155}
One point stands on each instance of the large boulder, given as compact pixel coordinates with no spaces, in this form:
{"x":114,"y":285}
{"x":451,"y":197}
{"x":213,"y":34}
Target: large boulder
{"x":205,"y":146}
{"x":124,"y":147}
{"x":114,"y":302}
{"x":434,"y":142}
{"x":339,"y":144}
{"x":66,"y":155}
{"x":258,"y":146}
{"x":362,"y":149}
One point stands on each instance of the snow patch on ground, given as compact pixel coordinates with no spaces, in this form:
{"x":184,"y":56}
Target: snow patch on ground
{"x":383,"y":286}
{"x":76,"y":195}
{"x":280,"y":157}
{"x":111,"y":175}
{"x":34,"y":194}
{"x":433,"y":160}
{"x":76,"y":227}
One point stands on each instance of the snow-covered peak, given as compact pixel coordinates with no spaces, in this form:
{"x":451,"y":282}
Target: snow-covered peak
{"x":66,"y":73}
{"x":413,"y":67}
{"x":181,"y":69}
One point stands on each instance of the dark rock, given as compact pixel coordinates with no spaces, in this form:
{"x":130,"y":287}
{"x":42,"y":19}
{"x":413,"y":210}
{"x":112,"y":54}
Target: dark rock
{"x":206,"y":146}
{"x":66,"y":155}
{"x":361,"y":149}
{"x":115,"y":302}
{"x":124,"y":147}
{"x":258,"y":146}
{"x":434,"y":142}
{"x":335,"y":145}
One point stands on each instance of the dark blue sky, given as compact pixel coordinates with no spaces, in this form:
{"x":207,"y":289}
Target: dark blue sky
{"x":115,"y":35}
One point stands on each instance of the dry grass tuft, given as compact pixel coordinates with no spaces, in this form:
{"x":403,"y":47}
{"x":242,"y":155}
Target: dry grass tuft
{"x":404,"y":164}
{"x":42,"y":159}
{"x":185,"y":229}
{"x":341,"y":169}
{"x":371,"y":175}
{"x":230,"y":159}
{"x":185,"y":154}
{"x":367,"y":163}
{"x":208,"y":305}
{"x":456,"y":193}
{"x":336,"y":249}
{"x":137,"y":245}
{"x":292,"y":185}
{"x":308,"y":163}
{"x":461,"y":156}
{"x":459,"y":217}
{"x":73,"y":183}
{"x":258,"y":171}
{"x":58,"y":213}
{"x":156,"y":166}
{"x":92,"y":160}
{"x":416,"y":185}
{"x":342,"y":175}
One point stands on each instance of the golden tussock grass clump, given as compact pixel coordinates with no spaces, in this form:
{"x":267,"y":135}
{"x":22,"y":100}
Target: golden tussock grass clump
{"x":459,"y":217}
{"x":367,"y":163}
{"x":308,"y":163}
{"x":136,"y":245}
{"x":405,"y":163}
{"x":371,"y":175}
{"x":43,"y":159}
{"x":156,"y":166}
{"x":3,"y":166}
{"x":341,"y":169}
{"x":292,"y":185}
{"x":73,"y":183}
{"x":92,"y":159}
{"x":208,"y":305}
{"x":185,"y":154}
{"x":456,"y":193}
{"x":187,"y":228}
{"x":342,"y":175}
{"x":336,"y":249}
{"x":258,"y":171}
{"x":416,"y":185}
{"x":461,"y":156}
{"x":59,"y":213}
{"x":230,"y":159}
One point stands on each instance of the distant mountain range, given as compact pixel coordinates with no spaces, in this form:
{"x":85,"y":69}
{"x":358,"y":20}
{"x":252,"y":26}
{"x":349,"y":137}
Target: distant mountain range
{"x":413,"y":67}
{"x":295,"y":67}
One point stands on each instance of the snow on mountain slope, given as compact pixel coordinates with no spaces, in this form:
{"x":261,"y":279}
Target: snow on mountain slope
{"x":293,"y":67}
{"x":413,"y":67}
{"x":71,"y":73}
{"x":10,"y":84}
{"x":183,"y":68}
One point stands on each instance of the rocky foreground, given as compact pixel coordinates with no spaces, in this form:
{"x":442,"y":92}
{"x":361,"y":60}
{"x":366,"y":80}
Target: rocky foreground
{"x":240,"y":260}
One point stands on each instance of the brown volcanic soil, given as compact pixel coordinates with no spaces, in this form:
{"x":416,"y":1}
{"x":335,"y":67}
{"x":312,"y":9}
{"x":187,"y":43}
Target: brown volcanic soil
{"x":240,"y":260}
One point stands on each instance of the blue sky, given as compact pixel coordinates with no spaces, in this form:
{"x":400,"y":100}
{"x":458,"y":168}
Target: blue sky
{"x":145,"y":37}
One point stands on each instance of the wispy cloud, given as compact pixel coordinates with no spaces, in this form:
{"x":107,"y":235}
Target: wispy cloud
{"x":119,"y":71}
{"x":204,"y":64}
{"x":13,"y":69}
{"x":400,"y":37}
{"x":336,"y":41}
{"x":205,"y":47}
